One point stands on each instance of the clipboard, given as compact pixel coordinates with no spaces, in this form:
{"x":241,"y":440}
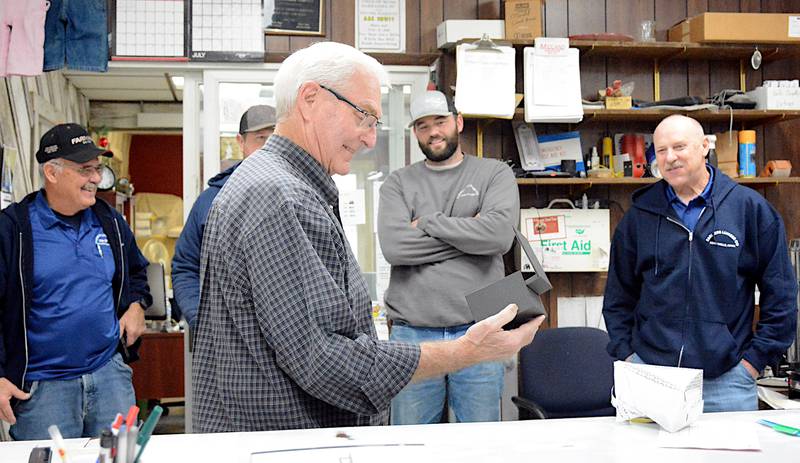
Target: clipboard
{"x":485,"y":79}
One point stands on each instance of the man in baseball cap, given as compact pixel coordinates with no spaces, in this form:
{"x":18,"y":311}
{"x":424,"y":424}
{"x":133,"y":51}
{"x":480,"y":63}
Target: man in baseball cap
{"x":444,"y":224}
{"x":255,"y":127}
{"x":430,"y":103}
{"x":69,"y":264}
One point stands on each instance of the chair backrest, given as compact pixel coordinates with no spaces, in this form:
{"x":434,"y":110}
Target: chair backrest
{"x":568,"y":372}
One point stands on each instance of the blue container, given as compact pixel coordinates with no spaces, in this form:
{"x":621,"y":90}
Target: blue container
{"x":747,"y":153}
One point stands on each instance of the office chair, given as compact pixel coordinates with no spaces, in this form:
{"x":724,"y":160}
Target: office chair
{"x":566,"y":373}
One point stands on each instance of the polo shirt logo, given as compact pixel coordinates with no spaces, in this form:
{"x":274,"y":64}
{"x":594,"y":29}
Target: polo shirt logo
{"x":723,"y":239}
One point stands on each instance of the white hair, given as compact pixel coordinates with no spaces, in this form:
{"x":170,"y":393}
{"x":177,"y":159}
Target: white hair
{"x":328,"y":63}
{"x":57,"y":165}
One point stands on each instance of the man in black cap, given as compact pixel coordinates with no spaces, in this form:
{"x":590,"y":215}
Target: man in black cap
{"x":255,"y":126}
{"x":73,"y":289}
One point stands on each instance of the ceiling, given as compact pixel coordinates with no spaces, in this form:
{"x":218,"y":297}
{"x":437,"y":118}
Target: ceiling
{"x":126,"y":85}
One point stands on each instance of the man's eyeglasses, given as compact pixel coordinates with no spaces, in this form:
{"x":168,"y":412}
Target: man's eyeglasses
{"x":84,"y":171}
{"x":368,"y":120}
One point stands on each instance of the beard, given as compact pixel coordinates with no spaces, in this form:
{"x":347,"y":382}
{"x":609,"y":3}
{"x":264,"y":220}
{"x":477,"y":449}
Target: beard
{"x":451,"y":144}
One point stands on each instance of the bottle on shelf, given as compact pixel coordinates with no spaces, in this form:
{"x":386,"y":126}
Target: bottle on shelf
{"x":711,"y":157}
{"x":747,"y":153}
{"x":608,"y":153}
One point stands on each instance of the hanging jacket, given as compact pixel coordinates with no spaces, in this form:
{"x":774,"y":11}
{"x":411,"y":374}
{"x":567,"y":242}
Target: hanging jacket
{"x":682,"y":298}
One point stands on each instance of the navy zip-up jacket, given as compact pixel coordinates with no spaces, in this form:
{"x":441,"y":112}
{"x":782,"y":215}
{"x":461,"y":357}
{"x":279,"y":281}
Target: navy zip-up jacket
{"x":186,"y":261}
{"x":16,"y":278}
{"x":681,"y":298}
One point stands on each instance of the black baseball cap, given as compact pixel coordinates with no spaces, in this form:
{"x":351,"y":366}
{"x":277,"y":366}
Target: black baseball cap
{"x":71,"y":142}
{"x":256,"y":118}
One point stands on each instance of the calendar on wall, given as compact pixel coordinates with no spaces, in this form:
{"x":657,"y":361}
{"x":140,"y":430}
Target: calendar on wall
{"x":149,"y":30}
{"x":227,"y":30}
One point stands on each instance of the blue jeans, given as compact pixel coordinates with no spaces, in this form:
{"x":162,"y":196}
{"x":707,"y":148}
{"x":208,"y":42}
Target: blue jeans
{"x":75,"y":32}
{"x":473,"y":393}
{"x":733,"y":391}
{"x":81,"y":407}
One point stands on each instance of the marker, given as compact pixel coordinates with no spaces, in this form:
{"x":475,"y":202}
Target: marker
{"x":147,"y":431}
{"x":122,"y":445}
{"x":133,"y":434}
{"x":55,"y":434}
{"x":780,"y":428}
{"x":130,"y":420}
{"x":116,"y":424}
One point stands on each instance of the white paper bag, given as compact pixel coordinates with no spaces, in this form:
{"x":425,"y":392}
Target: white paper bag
{"x":672,"y":397}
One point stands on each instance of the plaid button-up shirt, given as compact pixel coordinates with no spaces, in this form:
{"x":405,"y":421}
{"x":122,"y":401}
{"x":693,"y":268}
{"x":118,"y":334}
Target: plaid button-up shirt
{"x":284,"y":335}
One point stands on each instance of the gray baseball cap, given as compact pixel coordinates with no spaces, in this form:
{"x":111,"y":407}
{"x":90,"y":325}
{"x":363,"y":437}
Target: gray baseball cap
{"x":256,"y":118}
{"x":430,"y":103}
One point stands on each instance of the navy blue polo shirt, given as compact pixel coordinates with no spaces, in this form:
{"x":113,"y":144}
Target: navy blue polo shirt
{"x":690,"y":213}
{"x":72,"y":327}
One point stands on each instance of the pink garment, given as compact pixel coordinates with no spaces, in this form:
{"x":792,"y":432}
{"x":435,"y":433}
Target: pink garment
{"x":22,"y":37}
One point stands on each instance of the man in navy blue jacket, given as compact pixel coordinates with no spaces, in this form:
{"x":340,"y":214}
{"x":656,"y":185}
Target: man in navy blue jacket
{"x":685,"y":261}
{"x":255,"y":126}
{"x":73,"y":289}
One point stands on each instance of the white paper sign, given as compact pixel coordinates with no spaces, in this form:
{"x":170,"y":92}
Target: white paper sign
{"x":794,"y":26}
{"x":381,"y":25}
{"x":351,"y":207}
{"x":382,"y":272}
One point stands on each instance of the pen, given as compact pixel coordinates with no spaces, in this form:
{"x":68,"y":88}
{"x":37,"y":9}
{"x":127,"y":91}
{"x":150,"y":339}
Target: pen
{"x":780,"y":427}
{"x":147,"y":431}
{"x":55,"y":434}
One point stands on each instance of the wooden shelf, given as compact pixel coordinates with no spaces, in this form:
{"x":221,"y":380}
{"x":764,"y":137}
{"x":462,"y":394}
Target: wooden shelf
{"x":752,"y":117}
{"x":671,"y":50}
{"x":765,"y":181}
{"x":585,"y":181}
{"x":388,"y":59}
{"x":683,"y":50}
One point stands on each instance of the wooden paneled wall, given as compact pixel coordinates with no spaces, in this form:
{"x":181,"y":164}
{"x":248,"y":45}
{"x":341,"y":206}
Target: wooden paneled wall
{"x":565,"y":17}
{"x":29,"y":106}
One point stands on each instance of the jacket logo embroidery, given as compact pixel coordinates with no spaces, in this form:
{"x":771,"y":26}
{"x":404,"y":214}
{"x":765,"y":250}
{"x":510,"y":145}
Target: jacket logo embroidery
{"x":728,"y":239}
{"x":468,"y":190}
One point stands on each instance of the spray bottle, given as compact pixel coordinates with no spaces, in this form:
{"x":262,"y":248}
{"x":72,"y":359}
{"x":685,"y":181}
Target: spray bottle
{"x":711,"y":157}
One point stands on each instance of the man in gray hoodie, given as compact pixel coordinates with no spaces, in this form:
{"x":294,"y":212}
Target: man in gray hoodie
{"x":444,"y":224}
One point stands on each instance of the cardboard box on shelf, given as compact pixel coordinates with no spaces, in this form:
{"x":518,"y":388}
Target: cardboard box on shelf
{"x":776,"y":97}
{"x":727,"y":147}
{"x":449,"y":32}
{"x":523,"y":19}
{"x":738,"y":28}
{"x":679,"y":32}
{"x":619,"y":102}
{"x":731,"y":169}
